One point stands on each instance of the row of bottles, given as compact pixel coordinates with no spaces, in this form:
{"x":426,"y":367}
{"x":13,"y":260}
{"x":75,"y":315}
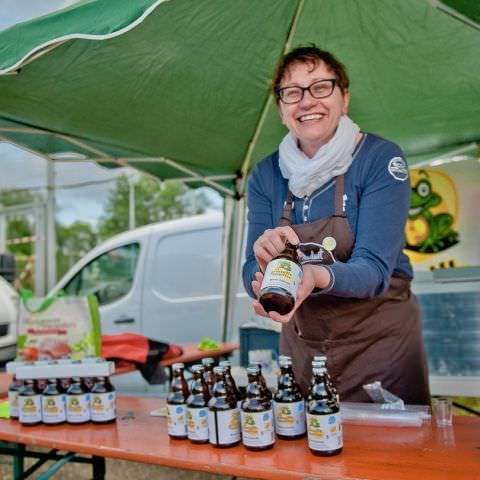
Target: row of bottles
{"x":55,"y":401}
{"x":212,"y":410}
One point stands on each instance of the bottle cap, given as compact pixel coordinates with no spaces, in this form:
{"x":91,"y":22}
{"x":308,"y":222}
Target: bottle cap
{"x":197,"y":368}
{"x":177,"y":366}
{"x":318,"y":363}
{"x":320,"y":358}
{"x":319,"y":370}
{"x":208,"y":361}
{"x":225,"y":363}
{"x":285,"y":362}
{"x":252,"y":370}
{"x":283,"y":357}
{"x":218,"y":370}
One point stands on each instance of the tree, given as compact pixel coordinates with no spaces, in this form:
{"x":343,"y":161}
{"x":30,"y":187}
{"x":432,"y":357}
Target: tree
{"x":154,"y":202}
{"x":73,"y":241}
{"x":20,"y":226}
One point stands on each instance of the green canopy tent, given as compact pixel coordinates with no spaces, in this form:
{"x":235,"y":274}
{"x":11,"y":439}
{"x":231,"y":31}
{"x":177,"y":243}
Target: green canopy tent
{"x":179,"y":88}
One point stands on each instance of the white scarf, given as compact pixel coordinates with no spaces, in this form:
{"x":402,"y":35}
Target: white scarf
{"x":304,"y":174}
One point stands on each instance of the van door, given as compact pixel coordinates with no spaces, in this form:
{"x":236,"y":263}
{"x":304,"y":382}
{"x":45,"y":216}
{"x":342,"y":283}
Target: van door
{"x":113,"y":278}
{"x":182,"y":290}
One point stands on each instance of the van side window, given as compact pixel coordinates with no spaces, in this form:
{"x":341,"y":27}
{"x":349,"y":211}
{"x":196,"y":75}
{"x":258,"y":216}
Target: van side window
{"x":109,"y":276}
{"x":187,"y":264}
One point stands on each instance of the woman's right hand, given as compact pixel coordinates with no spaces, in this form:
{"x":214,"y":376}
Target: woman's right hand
{"x":272,"y":243}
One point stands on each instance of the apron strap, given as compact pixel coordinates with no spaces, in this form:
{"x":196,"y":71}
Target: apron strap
{"x":339,"y":194}
{"x":286,"y":218}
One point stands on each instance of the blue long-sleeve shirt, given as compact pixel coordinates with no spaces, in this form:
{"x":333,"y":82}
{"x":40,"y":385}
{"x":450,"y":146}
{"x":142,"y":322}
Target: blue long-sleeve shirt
{"x":377,"y":189}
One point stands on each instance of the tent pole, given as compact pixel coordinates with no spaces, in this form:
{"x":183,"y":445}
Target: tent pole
{"x":234,"y":220}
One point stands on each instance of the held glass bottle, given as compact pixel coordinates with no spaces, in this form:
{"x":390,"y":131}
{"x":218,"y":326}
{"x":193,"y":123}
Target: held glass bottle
{"x":29,"y":404}
{"x":208,"y":374}
{"x":266,"y":391}
{"x":103,"y":401}
{"x":230,"y":381}
{"x":53,"y":403}
{"x":177,"y":403}
{"x":280,"y":282}
{"x":324,"y":426}
{"x":13,"y":390}
{"x":78,"y":402}
{"x":197,"y":407}
{"x":288,"y":404}
{"x":223,"y":414}
{"x":257,"y":415}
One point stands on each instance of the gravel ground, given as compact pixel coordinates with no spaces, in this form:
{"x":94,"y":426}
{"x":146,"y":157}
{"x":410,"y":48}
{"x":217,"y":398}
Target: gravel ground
{"x":116,"y":470}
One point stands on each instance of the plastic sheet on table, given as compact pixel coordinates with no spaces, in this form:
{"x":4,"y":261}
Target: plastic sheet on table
{"x":384,"y":415}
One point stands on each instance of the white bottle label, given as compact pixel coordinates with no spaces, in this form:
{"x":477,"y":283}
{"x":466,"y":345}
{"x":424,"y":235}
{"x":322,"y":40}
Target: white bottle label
{"x":177,"y":420}
{"x":30,"y":409}
{"x":13,"y":401}
{"x":324,"y":432}
{"x":103,"y":407}
{"x":78,"y":408}
{"x":257,"y":428}
{"x":53,"y":408}
{"x":197,"y":421}
{"x":283,"y":273}
{"x":224,"y":426}
{"x":289,"y":418}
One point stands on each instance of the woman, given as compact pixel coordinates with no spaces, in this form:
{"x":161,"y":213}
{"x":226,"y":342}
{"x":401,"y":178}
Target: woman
{"x":348,"y":192}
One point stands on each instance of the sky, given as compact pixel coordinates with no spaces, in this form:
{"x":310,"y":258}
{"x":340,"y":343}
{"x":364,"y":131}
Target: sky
{"x":22,"y":169}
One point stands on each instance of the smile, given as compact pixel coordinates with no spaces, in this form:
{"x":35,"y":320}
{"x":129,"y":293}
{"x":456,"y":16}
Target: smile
{"x":310,"y":116}
{"x":414,"y":211}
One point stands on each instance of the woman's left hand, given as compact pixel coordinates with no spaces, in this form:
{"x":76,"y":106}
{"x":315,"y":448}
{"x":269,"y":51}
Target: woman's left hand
{"x":310,"y":275}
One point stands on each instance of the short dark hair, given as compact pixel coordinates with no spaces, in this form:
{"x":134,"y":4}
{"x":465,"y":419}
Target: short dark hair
{"x":309,"y":54}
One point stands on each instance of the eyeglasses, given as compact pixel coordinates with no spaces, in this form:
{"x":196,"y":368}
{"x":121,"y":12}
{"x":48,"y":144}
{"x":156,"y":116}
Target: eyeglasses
{"x":320,"y":89}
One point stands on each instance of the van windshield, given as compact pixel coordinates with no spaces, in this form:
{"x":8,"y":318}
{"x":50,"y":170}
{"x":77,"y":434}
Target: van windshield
{"x":109,"y":276}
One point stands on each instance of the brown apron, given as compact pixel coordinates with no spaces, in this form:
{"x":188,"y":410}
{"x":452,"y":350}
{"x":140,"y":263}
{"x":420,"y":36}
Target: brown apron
{"x":364,"y":340}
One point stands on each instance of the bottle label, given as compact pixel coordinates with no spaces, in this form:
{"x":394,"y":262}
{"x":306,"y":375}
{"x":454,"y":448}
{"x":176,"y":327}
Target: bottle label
{"x":289,"y":418}
{"x":13,"y":401}
{"x":224,"y":426}
{"x":324,"y":432}
{"x":53,"y":408}
{"x":197,"y":421}
{"x":177,"y":420}
{"x":30,"y":409}
{"x":103,"y":406}
{"x":283,"y":273}
{"x":78,"y":408}
{"x":257,"y":428}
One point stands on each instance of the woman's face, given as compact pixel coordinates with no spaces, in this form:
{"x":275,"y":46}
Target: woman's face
{"x":312,"y":121}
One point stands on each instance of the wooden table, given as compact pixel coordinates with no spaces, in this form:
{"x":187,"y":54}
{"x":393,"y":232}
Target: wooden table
{"x":370,"y":453}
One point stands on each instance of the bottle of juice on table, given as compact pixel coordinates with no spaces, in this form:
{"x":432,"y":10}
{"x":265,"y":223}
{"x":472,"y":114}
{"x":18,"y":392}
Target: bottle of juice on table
{"x":103,"y":407}
{"x":29,"y":404}
{"x":177,"y":403}
{"x":78,"y":402}
{"x":53,"y":403}
{"x":197,"y":407}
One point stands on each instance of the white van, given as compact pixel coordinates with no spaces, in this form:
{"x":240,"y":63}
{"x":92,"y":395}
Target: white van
{"x":9,"y":301}
{"x":162,"y":280}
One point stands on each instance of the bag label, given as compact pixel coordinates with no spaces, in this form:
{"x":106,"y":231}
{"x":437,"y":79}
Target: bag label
{"x":103,"y":407}
{"x":283,"y":273}
{"x":177,"y":420}
{"x":78,"y":408}
{"x":53,"y":408}
{"x":224,"y":426}
{"x":324,"y":432}
{"x":290,"y":418}
{"x":197,"y":421}
{"x":30,"y":409}
{"x":257,"y":428}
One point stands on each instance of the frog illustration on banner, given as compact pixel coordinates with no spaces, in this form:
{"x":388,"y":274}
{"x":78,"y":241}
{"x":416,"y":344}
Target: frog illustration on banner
{"x":432,"y":216}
